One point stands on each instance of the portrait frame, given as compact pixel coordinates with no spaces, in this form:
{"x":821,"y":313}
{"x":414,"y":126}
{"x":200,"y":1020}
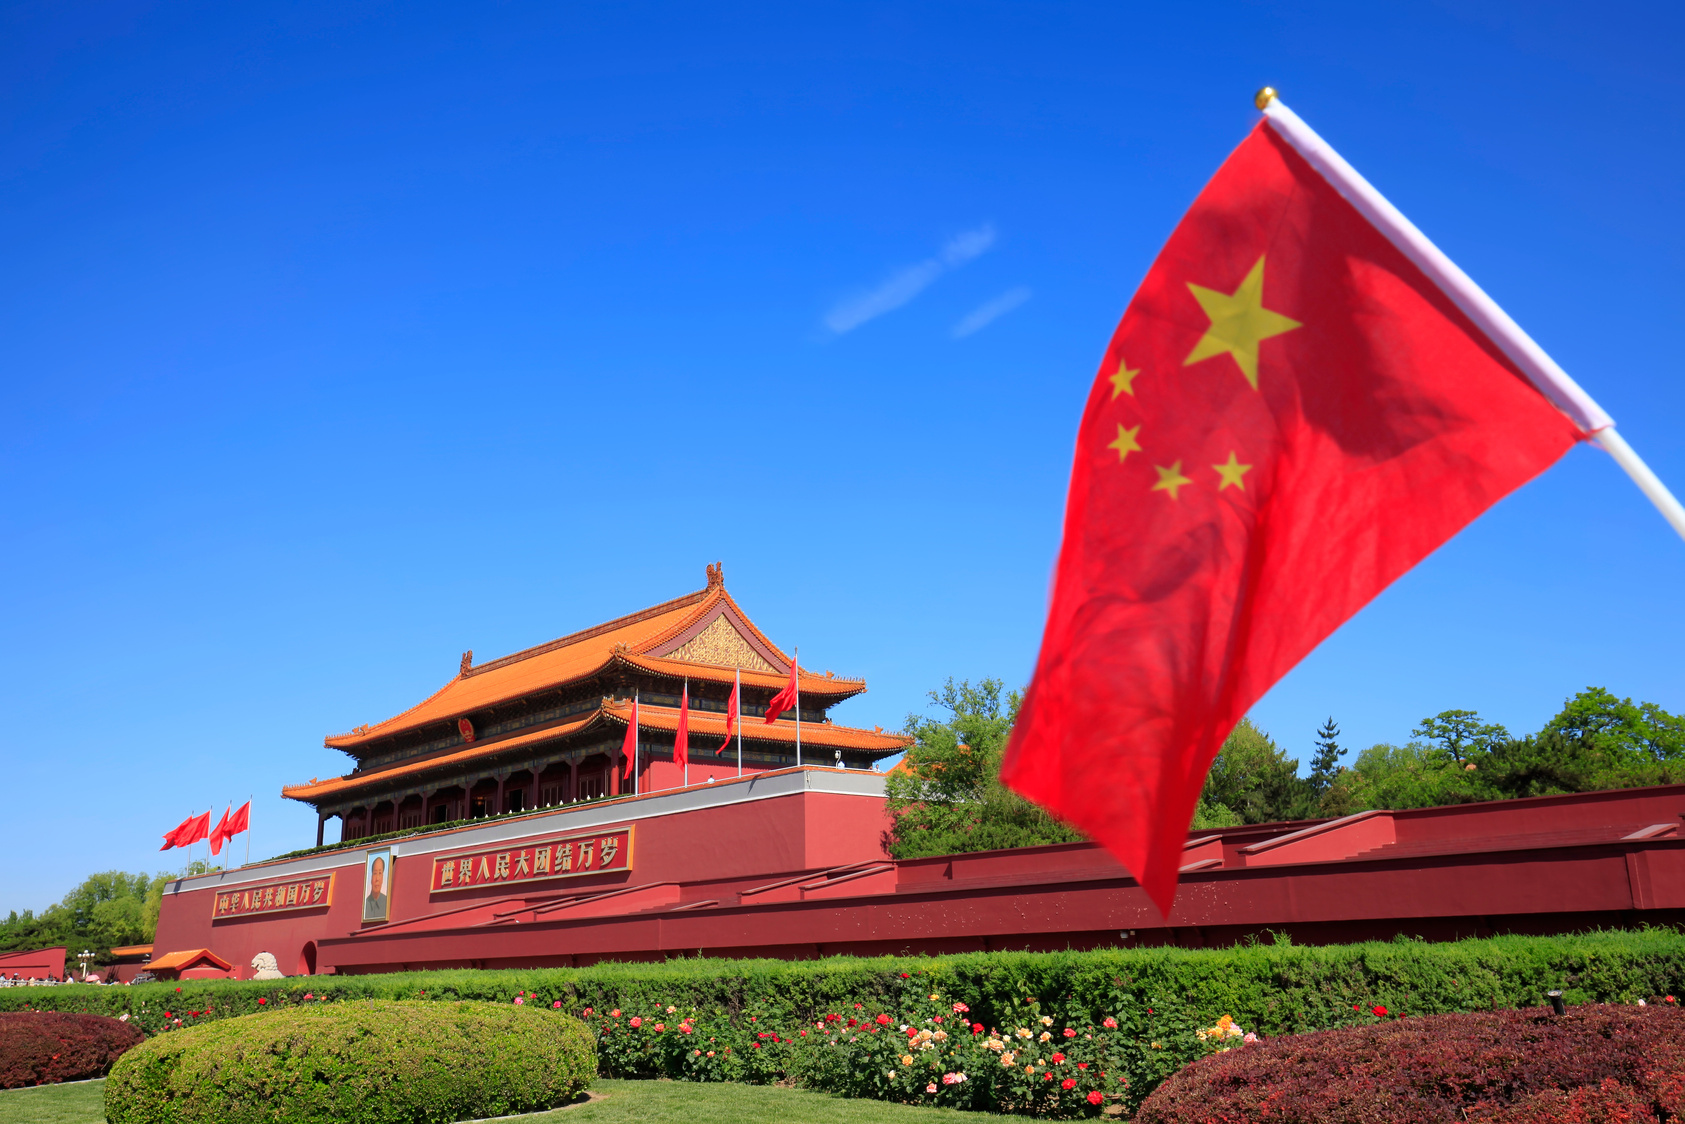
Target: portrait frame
{"x":377,"y":899}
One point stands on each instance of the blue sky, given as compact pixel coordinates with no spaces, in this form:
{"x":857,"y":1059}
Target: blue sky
{"x":337,"y":339}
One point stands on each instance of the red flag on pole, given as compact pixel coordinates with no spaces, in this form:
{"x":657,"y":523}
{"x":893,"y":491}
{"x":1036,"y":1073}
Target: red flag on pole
{"x":197,"y":828}
{"x":177,"y":836}
{"x":220,"y":833}
{"x":1291,"y":414}
{"x":784,"y":699}
{"x":681,"y":739}
{"x":629,"y":747}
{"x":241,"y":820}
{"x":731,"y":714}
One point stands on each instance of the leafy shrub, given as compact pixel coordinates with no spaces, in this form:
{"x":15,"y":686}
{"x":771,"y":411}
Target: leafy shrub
{"x":370,"y":1061}
{"x":42,"y":1047}
{"x":1515,"y":1067}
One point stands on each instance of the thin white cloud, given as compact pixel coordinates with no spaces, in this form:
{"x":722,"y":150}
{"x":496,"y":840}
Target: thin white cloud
{"x":908,"y":283}
{"x":990,"y":311}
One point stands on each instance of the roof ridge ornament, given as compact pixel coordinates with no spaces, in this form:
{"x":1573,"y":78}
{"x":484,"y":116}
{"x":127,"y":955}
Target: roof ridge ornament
{"x":716,"y":575}
{"x":467,"y":662}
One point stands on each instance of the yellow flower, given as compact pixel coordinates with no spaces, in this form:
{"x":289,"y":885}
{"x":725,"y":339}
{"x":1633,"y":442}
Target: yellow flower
{"x":994,"y":1044}
{"x":1008,"y":1058}
{"x":1046,"y":1021}
{"x":1029,"y":1069}
{"x":1156,"y":1046}
{"x":1024,"y":1032}
{"x":934,"y":998}
{"x":1045,"y":1036}
{"x":906,"y":1059}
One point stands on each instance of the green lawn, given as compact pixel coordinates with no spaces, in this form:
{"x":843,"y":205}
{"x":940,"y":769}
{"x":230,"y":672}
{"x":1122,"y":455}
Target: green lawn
{"x":645,"y":1102}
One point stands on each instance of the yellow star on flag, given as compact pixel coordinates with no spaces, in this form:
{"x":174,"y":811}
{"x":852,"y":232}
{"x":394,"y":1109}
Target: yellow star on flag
{"x":1124,"y":381}
{"x":1232,"y":472}
{"x":1170,"y":479}
{"x":1125,"y":443}
{"x":1239,"y":322}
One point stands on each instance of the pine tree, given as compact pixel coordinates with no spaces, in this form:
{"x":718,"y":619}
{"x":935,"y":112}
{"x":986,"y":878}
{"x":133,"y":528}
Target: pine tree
{"x":1325,"y":766}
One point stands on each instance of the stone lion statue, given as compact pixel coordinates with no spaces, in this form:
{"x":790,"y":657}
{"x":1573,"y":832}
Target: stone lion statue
{"x":267,"y":968}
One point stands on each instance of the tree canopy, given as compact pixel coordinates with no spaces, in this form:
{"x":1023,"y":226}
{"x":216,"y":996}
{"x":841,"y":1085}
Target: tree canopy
{"x":949,"y":799}
{"x":108,"y":910}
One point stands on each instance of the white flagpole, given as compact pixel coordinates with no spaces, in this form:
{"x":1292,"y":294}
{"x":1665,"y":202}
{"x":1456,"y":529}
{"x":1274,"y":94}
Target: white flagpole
{"x":796,"y":662}
{"x":637,"y":739}
{"x":684,"y":713}
{"x":1550,"y":379}
{"x":740,"y":722}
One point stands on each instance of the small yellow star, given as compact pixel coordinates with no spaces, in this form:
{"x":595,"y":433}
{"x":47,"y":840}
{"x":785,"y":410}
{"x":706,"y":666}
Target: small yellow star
{"x":1125,"y":443}
{"x":1239,"y":323}
{"x":1170,"y":479}
{"x":1123,"y":381}
{"x":1232,"y":472}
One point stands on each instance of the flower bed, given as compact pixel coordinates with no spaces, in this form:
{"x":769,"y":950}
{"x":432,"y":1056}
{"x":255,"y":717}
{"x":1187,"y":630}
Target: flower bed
{"x":43,"y":1047}
{"x":1596,"y":1063}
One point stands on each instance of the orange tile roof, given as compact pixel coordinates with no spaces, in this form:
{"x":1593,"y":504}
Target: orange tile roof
{"x":703,"y":725}
{"x":579,"y":655}
{"x":186,"y":959}
{"x":132,"y":950}
{"x":474,"y":750}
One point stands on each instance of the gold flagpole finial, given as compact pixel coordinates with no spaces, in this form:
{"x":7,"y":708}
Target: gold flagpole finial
{"x":1264,"y":97}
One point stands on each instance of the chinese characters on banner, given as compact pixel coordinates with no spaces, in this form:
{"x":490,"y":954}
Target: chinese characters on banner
{"x":296,"y":893}
{"x":569,"y":857}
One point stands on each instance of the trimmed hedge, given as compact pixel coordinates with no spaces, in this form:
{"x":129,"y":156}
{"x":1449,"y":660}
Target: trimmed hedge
{"x":46,"y":1047}
{"x":371,"y":1061}
{"x":1594,"y":1063}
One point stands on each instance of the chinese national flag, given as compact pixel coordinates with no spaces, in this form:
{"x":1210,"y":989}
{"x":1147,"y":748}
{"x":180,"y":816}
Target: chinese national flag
{"x":731,"y":715}
{"x":220,"y":833}
{"x":784,"y":699}
{"x":1289,"y":416}
{"x":629,"y":747}
{"x":681,"y":738}
{"x":177,"y":836}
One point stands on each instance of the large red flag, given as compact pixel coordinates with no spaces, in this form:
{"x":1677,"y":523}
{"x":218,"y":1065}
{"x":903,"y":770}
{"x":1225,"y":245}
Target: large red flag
{"x":177,"y":835}
{"x":681,"y":738}
{"x":1290,"y":415}
{"x":784,"y":699}
{"x":629,"y":745}
{"x":731,"y":714}
{"x":220,"y":833}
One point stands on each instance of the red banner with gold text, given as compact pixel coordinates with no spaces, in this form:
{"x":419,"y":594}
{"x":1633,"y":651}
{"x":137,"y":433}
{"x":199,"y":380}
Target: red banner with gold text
{"x":568,"y":857}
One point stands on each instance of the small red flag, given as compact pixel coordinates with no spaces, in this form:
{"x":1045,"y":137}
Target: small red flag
{"x":220,"y":833}
{"x":196,"y":828}
{"x":1290,"y":415}
{"x":240,"y":820}
{"x":681,"y":739}
{"x":784,"y":699}
{"x":176,"y":836}
{"x":731,"y":714}
{"x":629,"y":746}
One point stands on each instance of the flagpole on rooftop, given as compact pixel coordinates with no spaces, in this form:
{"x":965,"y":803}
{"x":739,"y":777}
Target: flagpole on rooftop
{"x":1543,"y":371}
{"x":740,"y":722}
{"x":248,"y":861}
{"x":796,"y":662}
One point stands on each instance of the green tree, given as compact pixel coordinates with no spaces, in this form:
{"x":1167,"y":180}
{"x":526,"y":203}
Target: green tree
{"x":1325,"y":766}
{"x":1253,"y":778}
{"x":1460,"y":735}
{"x":948,"y":798}
{"x":1644,"y":732}
{"x":108,"y":909}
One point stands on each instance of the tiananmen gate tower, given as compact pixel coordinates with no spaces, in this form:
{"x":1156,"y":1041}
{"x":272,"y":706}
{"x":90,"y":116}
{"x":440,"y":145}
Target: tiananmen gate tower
{"x":494,"y":825}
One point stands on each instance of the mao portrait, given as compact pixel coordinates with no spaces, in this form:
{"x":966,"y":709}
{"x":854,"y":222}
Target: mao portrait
{"x":377,"y":878}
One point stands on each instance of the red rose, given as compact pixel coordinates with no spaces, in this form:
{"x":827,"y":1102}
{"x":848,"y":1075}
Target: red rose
{"x":977,"y":1028}
{"x":261,"y":1002}
{"x":882,"y":1020}
{"x":1109,"y":1023}
{"x":904,"y":976}
{"x":1378,"y":1011}
{"x":1057,"y":1058}
{"x":1095,"y":1097}
{"x":1067,"y":1084}
{"x":1069,"y":1033}
{"x":1047,"y":1077}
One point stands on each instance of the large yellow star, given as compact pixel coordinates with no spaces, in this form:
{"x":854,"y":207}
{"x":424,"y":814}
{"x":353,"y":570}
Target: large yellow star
{"x":1124,"y":381}
{"x":1239,"y":322}
{"x":1232,"y":472}
{"x":1125,"y":443}
{"x":1170,"y":479}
